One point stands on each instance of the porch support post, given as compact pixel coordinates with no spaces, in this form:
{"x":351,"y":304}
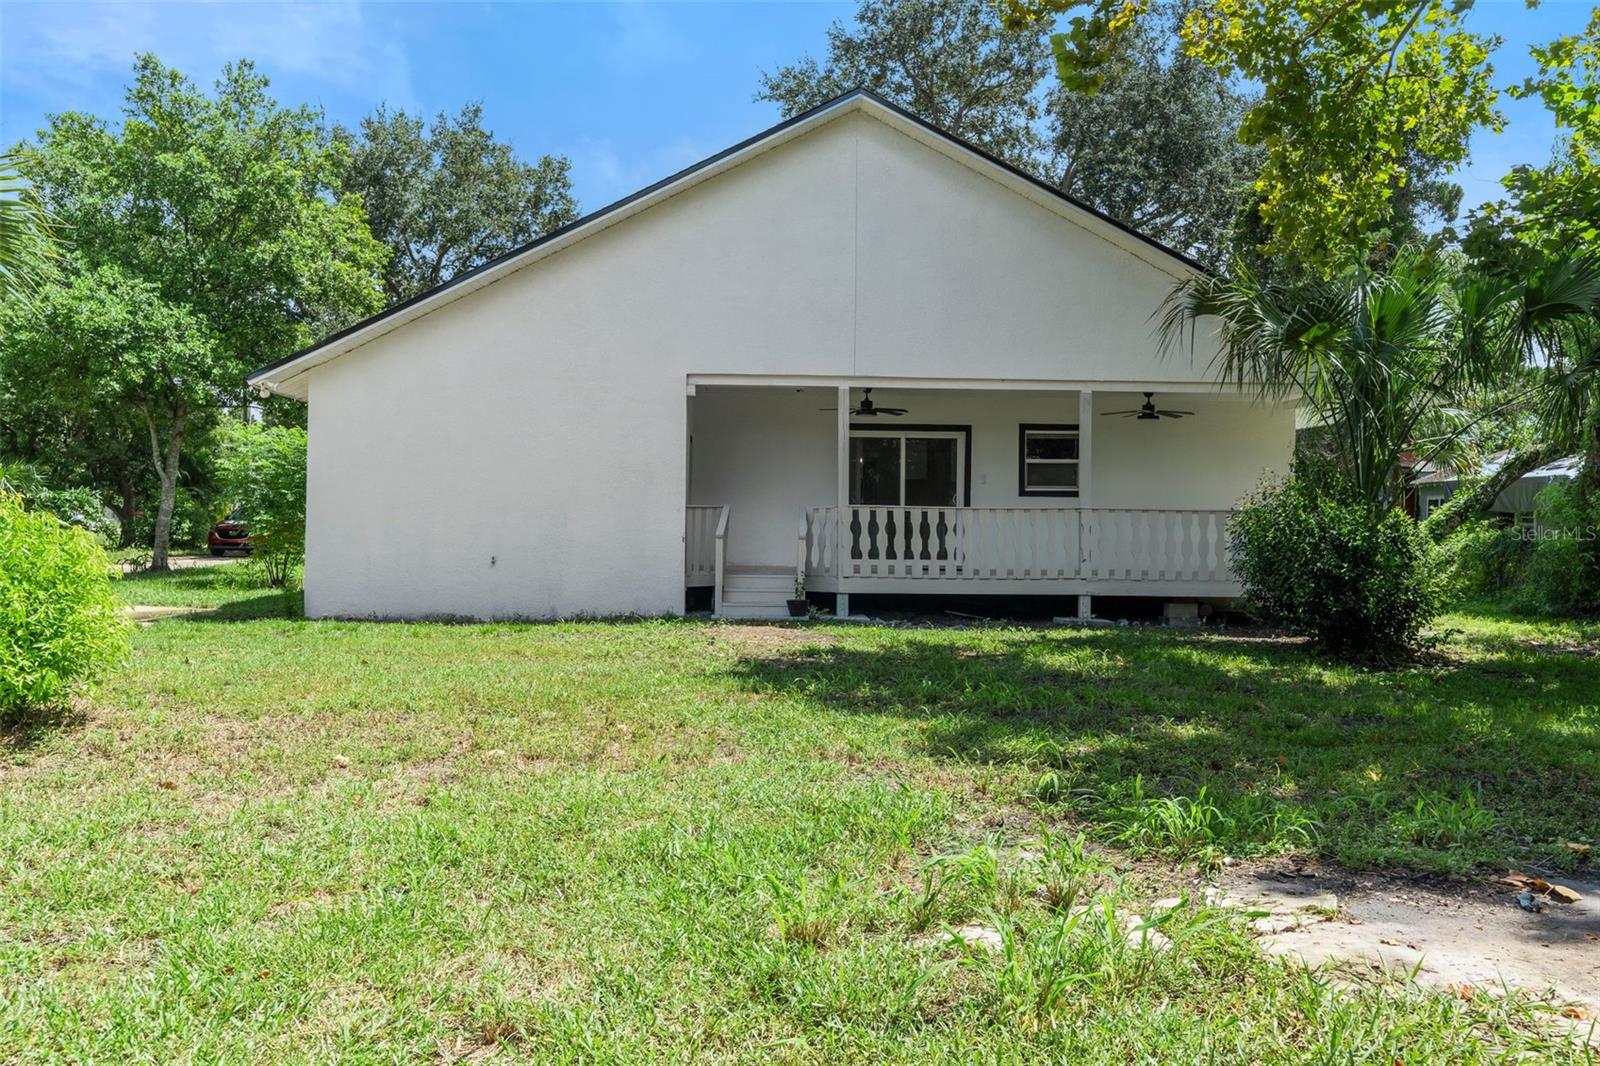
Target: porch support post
{"x":1085,"y":489}
{"x":841,"y":607}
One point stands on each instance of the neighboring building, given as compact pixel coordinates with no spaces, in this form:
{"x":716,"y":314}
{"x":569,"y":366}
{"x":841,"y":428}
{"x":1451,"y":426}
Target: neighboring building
{"x":1433,"y":486}
{"x":689,"y":388}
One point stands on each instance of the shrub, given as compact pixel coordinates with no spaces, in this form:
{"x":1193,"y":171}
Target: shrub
{"x":1483,"y":558}
{"x":1563,"y":574}
{"x":78,"y":506}
{"x":1310,"y":556}
{"x":60,"y":626}
{"x":263,"y":470}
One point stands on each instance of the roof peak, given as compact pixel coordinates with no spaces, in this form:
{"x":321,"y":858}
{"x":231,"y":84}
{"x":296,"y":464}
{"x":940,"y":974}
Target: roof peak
{"x":269,"y":378}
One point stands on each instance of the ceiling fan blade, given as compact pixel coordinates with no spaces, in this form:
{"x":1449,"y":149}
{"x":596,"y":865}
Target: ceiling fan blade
{"x":1177,"y":414}
{"x":1108,"y":414}
{"x":891,"y":410}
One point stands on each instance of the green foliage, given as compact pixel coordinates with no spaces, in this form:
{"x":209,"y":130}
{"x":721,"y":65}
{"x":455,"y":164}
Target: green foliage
{"x":1362,"y":585}
{"x":952,"y":64}
{"x":107,"y":340}
{"x":445,"y":199}
{"x":1482,"y":558}
{"x":1157,"y":145}
{"x":1354,"y":98}
{"x":60,"y":626}
{"x":1563,"y":573}
{"x":74,"y":505}
{"x":1443,"y":823}
{"x":1555,"y":207}
{"x":1376,"y":355}
{"x":28,"y":251}
{"x":1199,"y":827}
{"x":263,"y":471}
{"x":222,"y":202}
{"x":1348,"y":92}
{"x":212,"y":227}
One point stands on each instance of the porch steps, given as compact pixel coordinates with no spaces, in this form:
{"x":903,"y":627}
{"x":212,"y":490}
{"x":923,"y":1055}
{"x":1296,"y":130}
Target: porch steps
{"x":757,"y":591}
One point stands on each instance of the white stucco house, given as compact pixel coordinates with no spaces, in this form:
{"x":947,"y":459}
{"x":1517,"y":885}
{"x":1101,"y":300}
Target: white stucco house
{"x":690,"y":388}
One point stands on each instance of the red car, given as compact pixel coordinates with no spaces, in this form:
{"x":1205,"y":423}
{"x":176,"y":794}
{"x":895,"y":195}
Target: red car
{"x":228,"y":535}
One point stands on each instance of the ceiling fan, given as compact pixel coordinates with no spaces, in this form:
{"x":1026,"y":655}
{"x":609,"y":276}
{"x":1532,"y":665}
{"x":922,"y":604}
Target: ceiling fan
{"x":867,"y":409}
{"x":1147,"y":412}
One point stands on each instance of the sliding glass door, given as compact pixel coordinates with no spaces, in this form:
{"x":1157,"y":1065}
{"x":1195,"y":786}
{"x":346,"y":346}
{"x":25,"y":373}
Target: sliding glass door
{"x":896,"y":476}
{"x":910,"y":468}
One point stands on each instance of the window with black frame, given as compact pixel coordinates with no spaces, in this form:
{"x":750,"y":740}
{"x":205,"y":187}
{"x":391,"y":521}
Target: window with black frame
{"x":1047,"y":460}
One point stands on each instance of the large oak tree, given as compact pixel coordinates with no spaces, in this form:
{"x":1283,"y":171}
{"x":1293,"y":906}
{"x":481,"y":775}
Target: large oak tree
{"x":212,"y":229}
{"x":448,"y":197}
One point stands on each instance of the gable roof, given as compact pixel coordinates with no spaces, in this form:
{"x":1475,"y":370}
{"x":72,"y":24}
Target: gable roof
{"x":274,"y":376}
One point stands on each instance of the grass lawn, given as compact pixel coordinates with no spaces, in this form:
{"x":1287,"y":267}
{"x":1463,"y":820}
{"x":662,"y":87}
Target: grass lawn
{"x":275,"y":840}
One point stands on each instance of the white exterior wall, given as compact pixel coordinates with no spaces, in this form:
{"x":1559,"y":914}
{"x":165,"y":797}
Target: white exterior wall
{"x":521,"y":451}
{"x":769,"y":453}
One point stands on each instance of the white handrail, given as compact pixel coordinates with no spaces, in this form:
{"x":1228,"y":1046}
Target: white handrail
{"x":800,"y":554}
{"x":700,"y":523}
{"x":721,"y":536}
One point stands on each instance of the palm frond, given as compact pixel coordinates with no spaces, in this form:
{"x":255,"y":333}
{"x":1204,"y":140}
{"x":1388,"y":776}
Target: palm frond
{"x":28,"y":249}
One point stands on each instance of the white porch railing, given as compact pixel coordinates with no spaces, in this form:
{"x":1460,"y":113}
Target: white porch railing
{"x":699,"y":545}
{"x":704,"y":548}
{"x":1020,"y":544}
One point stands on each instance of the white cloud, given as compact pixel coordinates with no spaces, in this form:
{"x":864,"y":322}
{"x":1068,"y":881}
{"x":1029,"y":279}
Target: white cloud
{"x":63,"y":51}
{"x":331,"y":42}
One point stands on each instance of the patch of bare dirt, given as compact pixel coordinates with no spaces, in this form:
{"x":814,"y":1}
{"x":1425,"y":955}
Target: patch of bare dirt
{"x":144,"y":615}
{"x":763,"y":641}
{"x":1455,"y":933}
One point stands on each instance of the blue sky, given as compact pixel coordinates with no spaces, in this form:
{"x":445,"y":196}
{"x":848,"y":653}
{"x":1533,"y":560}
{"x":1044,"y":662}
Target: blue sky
{"x":629,"y":92}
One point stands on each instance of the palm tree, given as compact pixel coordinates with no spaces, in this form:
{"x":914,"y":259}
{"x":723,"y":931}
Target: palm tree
{"x":27,"y":242}
{"x":1539,"y":324}
{"x":1376,"y":356}
{"x":1558,"y":325}
{"x":1383,"y":358}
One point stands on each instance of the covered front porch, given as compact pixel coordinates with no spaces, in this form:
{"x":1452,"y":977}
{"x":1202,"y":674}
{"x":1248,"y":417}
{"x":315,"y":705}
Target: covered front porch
{"x":1009,"y":489}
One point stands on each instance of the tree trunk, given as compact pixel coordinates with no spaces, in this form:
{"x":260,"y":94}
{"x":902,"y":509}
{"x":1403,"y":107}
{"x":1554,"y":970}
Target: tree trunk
{"x":128,"y":512}
{"x":1468,"y":501}
{"x":167,"y":468}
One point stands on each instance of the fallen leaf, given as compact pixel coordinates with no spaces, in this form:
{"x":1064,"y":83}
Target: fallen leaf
{"x":1563,"y":894}
{"x":340,"y":760}
{"x":1577,"y":848}
{"x":1575,"y":1012}
{"x":169,"y":786}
